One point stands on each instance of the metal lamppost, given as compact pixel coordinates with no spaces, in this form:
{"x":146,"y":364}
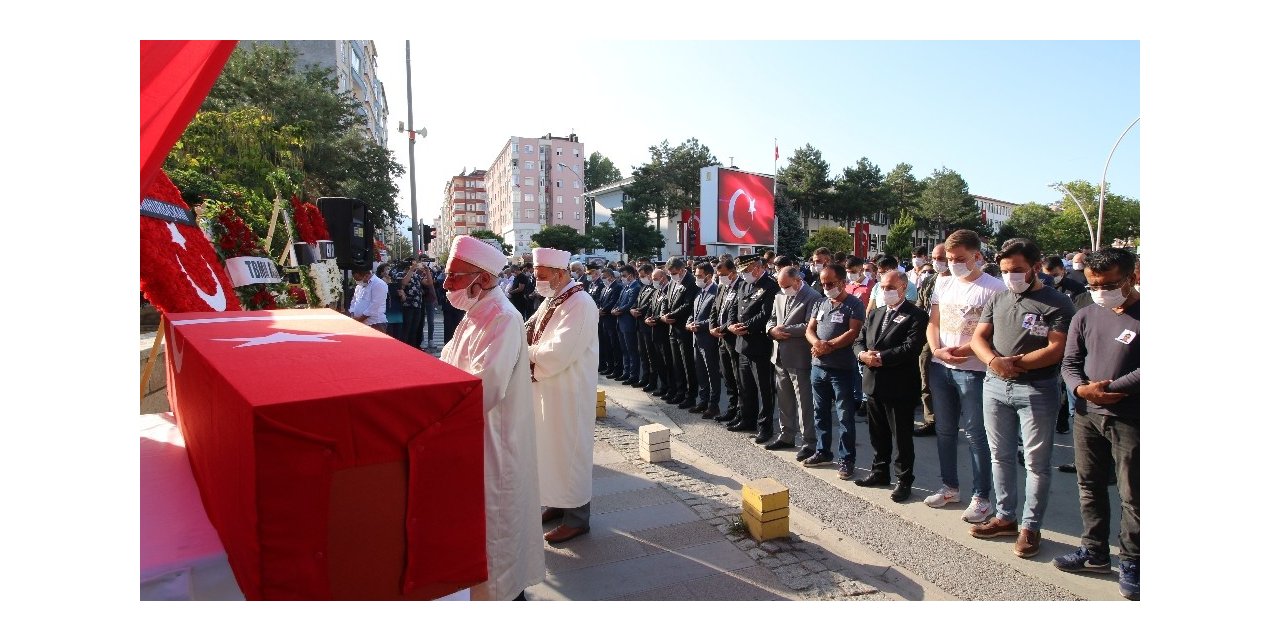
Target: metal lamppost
{"x":413,"y":182}
{"x":1102,"y":185}
{"x":1063,"y":188}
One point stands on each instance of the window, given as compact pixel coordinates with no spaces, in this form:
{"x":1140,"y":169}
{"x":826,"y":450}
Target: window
{"x":559,"y":151}
{"x":528,"y":164}
{"x":528,"y":213}
{"x":528,"y":181}
{"x":559,"y":184}
{"x":528,"y":148}
{"x":515,"y":149}
{"x":577,"y":215}
{"x":559,"y":199}
{"x":576,"y":185}
{"x":528,"y":197}
{"x":575,"y":153}
{"x":575,"y":200}
{"x":559,"y":167}
{"x":559,"y":215}
{"x":457,"y":207}
{"x":577,"y":169}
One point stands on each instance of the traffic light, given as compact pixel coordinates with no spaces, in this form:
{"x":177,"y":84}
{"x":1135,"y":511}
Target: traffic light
{"x":428,"y":234}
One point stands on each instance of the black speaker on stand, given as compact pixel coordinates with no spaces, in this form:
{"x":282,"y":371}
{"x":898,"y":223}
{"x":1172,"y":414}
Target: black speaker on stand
{"x":350,"y":230}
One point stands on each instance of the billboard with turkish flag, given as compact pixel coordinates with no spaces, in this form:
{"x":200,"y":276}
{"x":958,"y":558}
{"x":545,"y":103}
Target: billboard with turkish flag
{"x":742,"y":203}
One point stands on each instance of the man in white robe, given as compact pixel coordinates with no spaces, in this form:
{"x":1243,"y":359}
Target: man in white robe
{"x":564,"y":353}
{"x":489,"y":343}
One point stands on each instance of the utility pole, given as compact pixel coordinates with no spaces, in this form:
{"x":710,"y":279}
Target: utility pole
{"x":413,"y":185}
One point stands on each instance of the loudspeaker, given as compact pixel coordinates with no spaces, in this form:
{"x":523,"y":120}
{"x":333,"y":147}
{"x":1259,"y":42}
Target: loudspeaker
{"x":350,"y":229}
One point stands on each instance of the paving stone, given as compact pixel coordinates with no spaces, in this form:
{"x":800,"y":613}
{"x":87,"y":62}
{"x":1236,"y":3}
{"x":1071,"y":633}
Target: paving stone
{"x":855,"y":588}
{"x":643,"y":574}
{"x":746,"y":543}
{"x":814,"y":566}
{"x":630,"y":500}
{"x":757,"y":553}
{"x":770,"y":562}
{"x":787,"y":572}
{"x":738,"y":585}
{"x":799,"y":583}
{"x":678,"y":536}
{"x":787,"y":557}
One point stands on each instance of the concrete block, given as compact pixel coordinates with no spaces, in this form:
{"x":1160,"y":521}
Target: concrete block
{"x":654,"y":433}
{"x":655,"y":448}
{"x":748,"y":509}
{"x":761,"y":531}
{"x":600,"y":412}
{"x":655,"y":456}
{"x":599,"y":397}
{"x":764,"y":495}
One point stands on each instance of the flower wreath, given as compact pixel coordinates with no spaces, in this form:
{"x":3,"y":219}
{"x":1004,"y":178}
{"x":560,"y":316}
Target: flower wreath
{"x":179,"y":270}
{"x":233,"y":239}
{"x":308,"y":221}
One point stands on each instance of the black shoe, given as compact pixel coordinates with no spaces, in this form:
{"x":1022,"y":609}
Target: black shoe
{"x":927,"y":430}
{"x":862,"y":409}
{"x":763,"y":438}
{"x":633,"y":383}
{"x":701,"y":407}
{"x":778,"y":445}
{"x":709,"y":413}
{"x":649,"y":387}
{"x":689,"y":404}
{"x":671,"y":398}
{"x":819,"y":460}
{"x":737,"y":426}
{"x":1067,"y":468}
{"x":804,"y":454}
{"x":902,"y":492}
{"x":873,"y":480}
{"x":727,"y":416}
{"x":1062,"y":428}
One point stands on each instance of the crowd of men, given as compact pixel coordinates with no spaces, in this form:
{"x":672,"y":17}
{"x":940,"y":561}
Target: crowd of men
{"x":1006,"y":348}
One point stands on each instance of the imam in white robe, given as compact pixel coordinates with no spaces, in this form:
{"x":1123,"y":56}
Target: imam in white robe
{"x":565,"y":361}
{"x":489,"y":343}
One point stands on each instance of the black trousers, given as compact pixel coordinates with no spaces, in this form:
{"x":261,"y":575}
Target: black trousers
{"x":755,"y":393}
{"x":644,"y":341}
{"x":615,"y":345}
{"x":729,"y":374}
{"x":413,"y":326}
{"x":451,"y":319}
{"x":661,"y":357}
{"x":682,"y":356}
{"x":889,"y":420}
{"x":1100,"y":440}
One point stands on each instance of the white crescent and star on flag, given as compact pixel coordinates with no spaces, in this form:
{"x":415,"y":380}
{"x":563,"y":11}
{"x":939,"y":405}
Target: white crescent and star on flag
{"x":280,"y":337}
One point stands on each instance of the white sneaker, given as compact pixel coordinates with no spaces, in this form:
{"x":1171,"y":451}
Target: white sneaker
{"x":979,"y":510}
{"x":943,"y":497}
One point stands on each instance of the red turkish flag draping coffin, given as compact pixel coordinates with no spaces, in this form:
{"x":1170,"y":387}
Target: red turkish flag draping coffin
{"x":334,"y":461}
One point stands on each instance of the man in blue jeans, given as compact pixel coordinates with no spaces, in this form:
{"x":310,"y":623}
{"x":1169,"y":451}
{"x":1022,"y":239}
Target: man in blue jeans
{"x":834,"y":325}
{"x":1020,"y":337}
{"x":955,"y":376}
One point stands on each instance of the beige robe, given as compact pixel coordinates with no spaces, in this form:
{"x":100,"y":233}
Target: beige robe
{"x":489,"y":343}
{"x":565,"y":359}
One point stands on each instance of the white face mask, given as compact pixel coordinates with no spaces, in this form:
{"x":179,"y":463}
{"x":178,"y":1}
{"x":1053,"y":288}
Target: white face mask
{"x":1017,"y":282}
{"x":1109,"y":299}
{"x":940,"y":265}
{"x":749,"y":277}
{"x":959,"y":269}
{"x":891,"y":297}
{"x":918,"y":262}
{"x":699,"y":282}
{"x":543,"y":287}
{"x":461,"y":298}
{"x":646,"y":281}
{"x":725,"y":281}
{"x":1077,"y":266}
{"x":790,"y":291}
{"x":1058,"y":279}
{"x":832,"y":293}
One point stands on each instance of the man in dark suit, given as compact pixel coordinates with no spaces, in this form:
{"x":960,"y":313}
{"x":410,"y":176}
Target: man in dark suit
{"x":679,"y":307}
{"x":755,"y":305}
{"x":706,"y":347}
{"x":596,"y":289}
{"x":644,"y":332}
{"x":612,"y":355}
{"x":792,"y":361}
{"x":627,"y":325}
{"x":724,"y":314}
{"x":661,"y":334}
{"x":889,"y":345}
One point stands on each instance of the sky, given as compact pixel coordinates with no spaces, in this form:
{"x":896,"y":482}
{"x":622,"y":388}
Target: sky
{"x":1009,"y":116}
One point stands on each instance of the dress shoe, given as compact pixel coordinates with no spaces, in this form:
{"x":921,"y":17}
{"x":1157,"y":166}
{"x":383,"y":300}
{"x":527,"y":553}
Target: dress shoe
{"x":636,"y":383}
{"x":687,"y":404}
{"x":805,"y":453}
{"x":862,"y":409}
{"x":763,"y":438}
{"x":673,"y":399}
{"x":648,"y":388}
{"x":779,"y":444}
{"x":873,"y":480}
{"x":927,"y":430}
{"x":564,"y":533}
{"x":701,"y":407}
{"x":709,"y":413}
{"x":901,"y":492}
{"x":727,"y":416}
{"x":551,"y":513}
{"x":738,"y":426}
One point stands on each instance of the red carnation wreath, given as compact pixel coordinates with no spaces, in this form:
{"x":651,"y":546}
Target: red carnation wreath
{"x":233,"y":239}
{"x":308,"y":221}
{"x":179,"y":270}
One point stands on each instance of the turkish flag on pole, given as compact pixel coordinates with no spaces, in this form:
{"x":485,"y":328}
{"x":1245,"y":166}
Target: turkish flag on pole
{"x":775,"y":149}
{"x":744,"y":208}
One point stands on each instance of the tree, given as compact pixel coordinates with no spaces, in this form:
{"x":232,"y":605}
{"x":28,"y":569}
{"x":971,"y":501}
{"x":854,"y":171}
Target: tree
{"x":805,"y":180}
{"x":859,"y":193}
{"x":791,"y":234}
{"x":1119,"y":220}
{"x":562,"y":237}
{"x":902,"y":193}
{"x":485,"y":234}
{"x":642,"y":239}
{"x":671,"y":180}
{"x":837,"y":239}
{"x":946,"y":204}
{"x":1028,"y":220}
{"x":267,"y":128}
{"x":898,"y":242}
{"x":599,"y":171}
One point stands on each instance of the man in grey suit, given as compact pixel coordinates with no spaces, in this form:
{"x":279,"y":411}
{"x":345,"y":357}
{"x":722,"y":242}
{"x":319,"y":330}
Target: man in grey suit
{"x":706,"y":347}
{"x":791,"y":361}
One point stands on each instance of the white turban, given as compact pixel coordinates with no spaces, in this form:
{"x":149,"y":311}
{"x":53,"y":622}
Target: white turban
{"x":480,"y":254}
{"x":554,"y":258}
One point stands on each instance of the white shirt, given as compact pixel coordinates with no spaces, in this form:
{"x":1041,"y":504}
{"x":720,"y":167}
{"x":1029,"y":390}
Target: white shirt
{"x":370,"y":299}
{"x":959,"y":306}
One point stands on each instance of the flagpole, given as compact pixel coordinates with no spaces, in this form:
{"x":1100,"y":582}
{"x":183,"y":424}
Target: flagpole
{"x":776,"y":243}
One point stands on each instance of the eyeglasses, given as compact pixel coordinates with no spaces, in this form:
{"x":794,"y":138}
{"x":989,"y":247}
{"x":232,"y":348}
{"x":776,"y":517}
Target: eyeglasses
{"x":830,"y":285}
{"x":450,"y":276}
{"x":1107,"y":287}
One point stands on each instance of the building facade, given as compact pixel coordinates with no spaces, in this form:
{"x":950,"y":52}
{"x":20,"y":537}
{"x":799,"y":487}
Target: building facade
{"x":355,"y":63}
{"x":994,"y":212}
{"x":465,"y":209}
{"x":534,"y":183}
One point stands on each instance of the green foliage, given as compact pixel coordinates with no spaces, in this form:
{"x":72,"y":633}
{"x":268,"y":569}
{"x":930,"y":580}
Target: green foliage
{"x":563,"y":237}
{"x":835,"y":238}
{"x":485,"y":234}
{"x":946,"y":204}
{"x":599,"y":171}
{"x":642,"y":239}
{"x":898,"y":243}
{"x":791,"y":233}
{"x":671,"y":180}
{"x":1065,"y":229}
{"x":860,"y":194}
{"x":805,"y":181}
{"x":901,"y":192}
{"x":267,"y":128}
{"x":1028,"y":220}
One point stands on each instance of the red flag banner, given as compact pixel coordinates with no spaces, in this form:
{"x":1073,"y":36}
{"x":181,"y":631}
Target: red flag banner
{"x":745,"y":208}
{"x":861,"y":239}
{"x":175,"y":77}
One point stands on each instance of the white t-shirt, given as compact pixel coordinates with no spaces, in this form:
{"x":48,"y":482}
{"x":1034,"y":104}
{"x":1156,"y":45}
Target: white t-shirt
{"x":959,"y":306}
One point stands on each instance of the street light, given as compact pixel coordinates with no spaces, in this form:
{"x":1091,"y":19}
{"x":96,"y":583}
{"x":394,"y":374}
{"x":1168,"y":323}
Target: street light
{"x":1102,"y":186}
